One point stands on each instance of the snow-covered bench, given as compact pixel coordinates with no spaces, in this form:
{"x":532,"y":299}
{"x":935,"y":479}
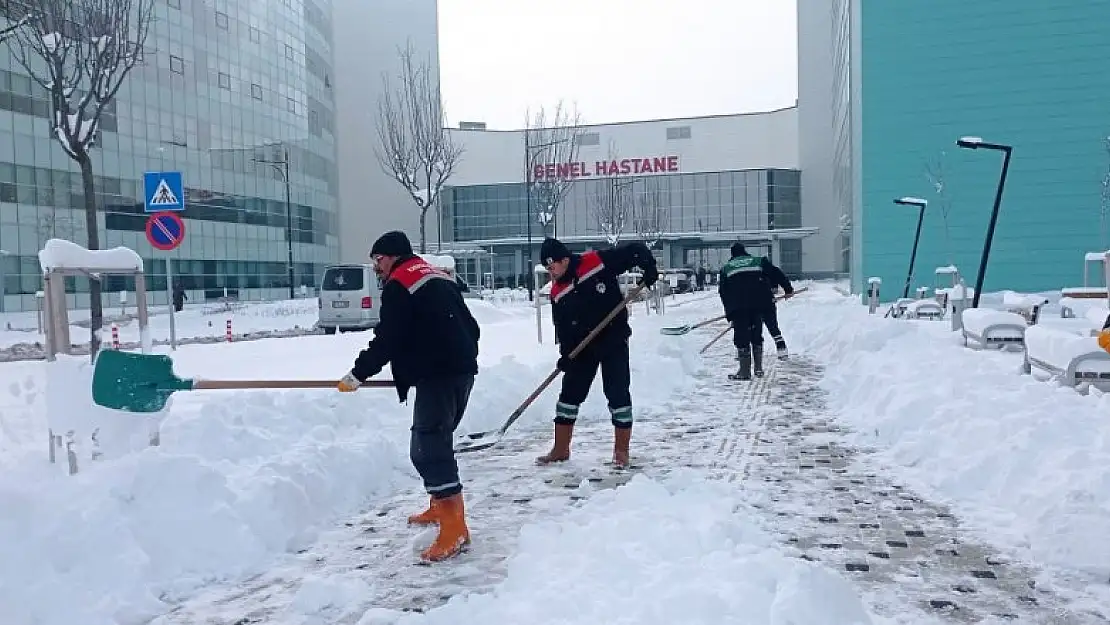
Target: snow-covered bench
{"x":1072,"y":307}
{"x":1072,"y":359}
{"x":924,"y":309}
{"x":993,"y":328}
{"x":1028,"y":306}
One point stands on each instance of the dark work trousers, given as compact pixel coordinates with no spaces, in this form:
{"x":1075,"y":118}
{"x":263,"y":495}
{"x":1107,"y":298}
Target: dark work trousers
{"x":770,"y":315}
{"x":747,"y":330}
{"x":615,"y":382}
{"x":438,"y":409}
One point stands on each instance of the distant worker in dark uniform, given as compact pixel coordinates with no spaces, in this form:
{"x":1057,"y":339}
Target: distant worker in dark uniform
{"x":585,"y":289}
{"x":179,"y":297}
{"x":430,"y":339}
{"x":745,"y":291}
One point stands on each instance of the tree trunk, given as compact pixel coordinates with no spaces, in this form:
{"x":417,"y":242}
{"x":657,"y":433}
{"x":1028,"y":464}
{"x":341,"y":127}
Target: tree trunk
{"x":424,"y":229}
{"x":96,"y":307}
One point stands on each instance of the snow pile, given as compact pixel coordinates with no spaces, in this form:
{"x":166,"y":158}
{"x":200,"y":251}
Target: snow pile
{"x":1026,"y":462}
{"x":243,"y":475}
{"x":63,"y":254}
{"x":696,"y":561}
{"x":235,"y":481}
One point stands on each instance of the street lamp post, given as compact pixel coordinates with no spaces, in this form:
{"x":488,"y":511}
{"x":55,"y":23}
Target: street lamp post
{"x":920,"y":204}
{"x":282,"y":167}
{"x":974,"y":143}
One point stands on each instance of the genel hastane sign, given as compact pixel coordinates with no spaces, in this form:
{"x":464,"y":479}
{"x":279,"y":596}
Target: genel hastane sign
{"x":622,"y":167}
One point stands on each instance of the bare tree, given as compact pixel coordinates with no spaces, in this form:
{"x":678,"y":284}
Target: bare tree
{"x":1104,"y":212}
{"x":612,"y":204}
{"x":935,"y":174}
{"x":415,"y":147}
{"x":650,"y":218}
{"x":551,"y":143}
{"x":80,"y":52}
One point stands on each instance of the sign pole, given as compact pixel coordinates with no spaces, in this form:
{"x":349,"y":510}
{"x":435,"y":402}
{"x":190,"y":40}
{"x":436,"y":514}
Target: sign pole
{"x":169,"y":302}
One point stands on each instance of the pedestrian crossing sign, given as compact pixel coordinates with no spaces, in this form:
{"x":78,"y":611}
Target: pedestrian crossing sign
{"x":164,"y":191}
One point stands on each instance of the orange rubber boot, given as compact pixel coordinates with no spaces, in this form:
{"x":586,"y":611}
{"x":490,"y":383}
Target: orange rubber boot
{"x":621,"y":438}
{"x":427,"y":517}
{"x":560,"y":450}
{"x":453,"y":533}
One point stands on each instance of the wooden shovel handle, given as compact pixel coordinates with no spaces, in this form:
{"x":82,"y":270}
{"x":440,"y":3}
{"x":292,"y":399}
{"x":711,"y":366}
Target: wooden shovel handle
{"x":203,"y":385}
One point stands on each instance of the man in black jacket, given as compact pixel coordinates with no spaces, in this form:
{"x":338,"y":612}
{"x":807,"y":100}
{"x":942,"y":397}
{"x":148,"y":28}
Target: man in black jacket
{"x":428,"y":336}
{"x":585,"y":289}
{"x":745,"y":290}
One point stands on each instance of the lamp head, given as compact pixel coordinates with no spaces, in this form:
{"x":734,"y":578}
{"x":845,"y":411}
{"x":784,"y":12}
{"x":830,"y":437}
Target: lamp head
{"x":912,"y":201}
{"x":971,"y":143}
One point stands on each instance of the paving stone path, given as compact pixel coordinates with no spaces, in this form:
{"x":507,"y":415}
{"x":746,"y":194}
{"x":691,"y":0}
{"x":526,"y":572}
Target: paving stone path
{"x":900,"y":549}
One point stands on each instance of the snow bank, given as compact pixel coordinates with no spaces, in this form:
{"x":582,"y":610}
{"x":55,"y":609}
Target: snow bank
{"x":1058,"y":348}
{"x":242,"y":476}
{"x":62,"y":254}
{"x":696,"y":561}
{"x":977,"y":320}
{"x":1025,"y":462}
{"x":235,"y":481}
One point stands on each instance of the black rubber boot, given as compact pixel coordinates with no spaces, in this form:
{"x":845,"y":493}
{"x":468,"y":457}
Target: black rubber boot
{"x":757,"y":360}
{"x":745,"y":370}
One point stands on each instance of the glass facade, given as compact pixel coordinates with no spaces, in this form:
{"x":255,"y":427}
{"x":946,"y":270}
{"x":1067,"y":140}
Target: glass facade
{"x":695,"y":208}
{"x":842,"y":127}
{"x":224,"y":84}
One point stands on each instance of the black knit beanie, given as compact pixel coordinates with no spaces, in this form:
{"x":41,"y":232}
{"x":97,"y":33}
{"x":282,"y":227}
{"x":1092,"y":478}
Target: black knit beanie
{"x":738,"y":249}
{"x":552,"y":250}
{"x":392,"y":243}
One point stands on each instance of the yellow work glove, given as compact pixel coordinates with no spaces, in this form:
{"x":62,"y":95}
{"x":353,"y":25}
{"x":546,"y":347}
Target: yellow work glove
{"x":1104,"y":340}
{"x":348,"y":384}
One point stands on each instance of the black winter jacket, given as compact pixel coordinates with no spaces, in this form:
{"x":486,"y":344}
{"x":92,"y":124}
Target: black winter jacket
{"x":589,"y":291}
{"x":425,"y":330}
{"x":748,"y":283}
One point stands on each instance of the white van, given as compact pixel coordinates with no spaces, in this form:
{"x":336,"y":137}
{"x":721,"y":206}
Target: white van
{"x":350,"y":298}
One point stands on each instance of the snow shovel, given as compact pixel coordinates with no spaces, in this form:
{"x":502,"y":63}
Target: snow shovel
{"x":686,"y":329}
{"x":143,"y":382}
{"x":484,"y":440}
{"x":725,"y":331}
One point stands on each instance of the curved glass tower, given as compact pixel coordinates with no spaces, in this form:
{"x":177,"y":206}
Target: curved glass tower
{"x":225,"y":85}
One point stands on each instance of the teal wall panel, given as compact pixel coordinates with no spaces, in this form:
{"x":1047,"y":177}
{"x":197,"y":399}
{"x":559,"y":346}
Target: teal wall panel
{"x":1029,"y":73}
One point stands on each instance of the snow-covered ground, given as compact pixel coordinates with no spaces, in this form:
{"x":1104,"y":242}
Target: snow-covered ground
{"x":243,"y":478}
{"x":1026,"y":461}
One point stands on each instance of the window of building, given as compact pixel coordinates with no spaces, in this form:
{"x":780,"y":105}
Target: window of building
{"x":589,"y":138}
{"x":221,"y":19}
{"x":174,"y":4}
{"x":225,"y":81}
{"x":255,"y":34}
{"x":256,"y":92}
{"x":678,"y":132}
{"x":289,"y":54}
{"x":177,"y":64}
{"x":291,"y":104}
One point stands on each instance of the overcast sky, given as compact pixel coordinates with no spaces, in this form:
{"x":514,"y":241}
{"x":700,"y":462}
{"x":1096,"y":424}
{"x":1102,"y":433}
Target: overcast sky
{"x":618,"y":60}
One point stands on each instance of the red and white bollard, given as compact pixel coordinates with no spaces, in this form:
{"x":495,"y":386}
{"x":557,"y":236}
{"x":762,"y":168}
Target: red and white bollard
{"x":229,"y":329}
{"x":115,"y":336}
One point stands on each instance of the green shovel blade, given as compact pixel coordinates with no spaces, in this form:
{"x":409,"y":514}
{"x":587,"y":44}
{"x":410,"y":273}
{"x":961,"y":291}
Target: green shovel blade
{"x":675,"y":331}
{"x":135,"y":382}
